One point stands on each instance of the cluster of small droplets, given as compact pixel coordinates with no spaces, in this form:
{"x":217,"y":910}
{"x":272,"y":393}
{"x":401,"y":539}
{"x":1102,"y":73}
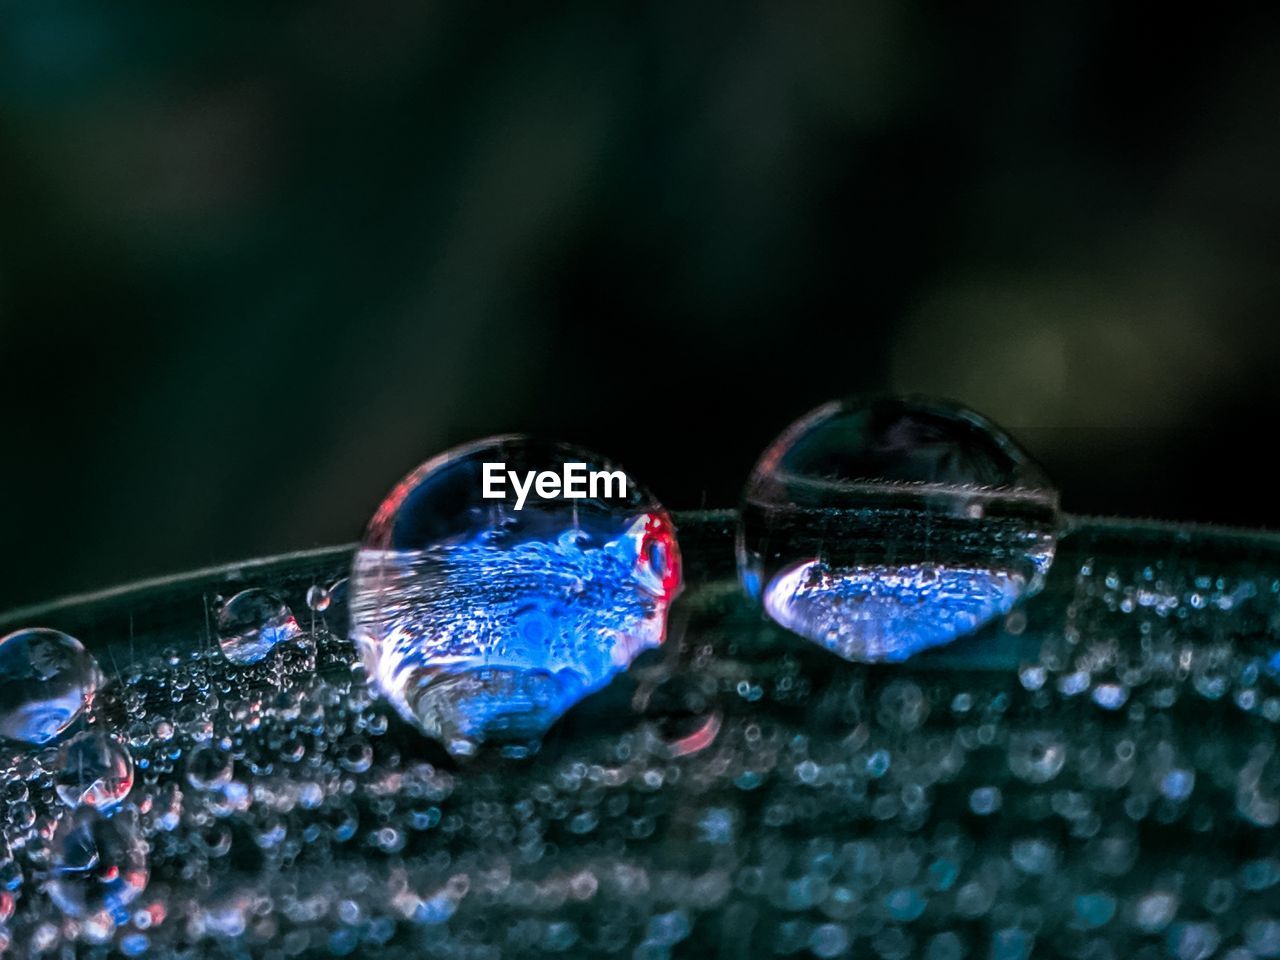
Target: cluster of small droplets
{"x":1147,"y":638}
{"x":1109,"y":791}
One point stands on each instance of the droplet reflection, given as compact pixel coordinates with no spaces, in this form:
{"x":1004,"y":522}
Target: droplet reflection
{"x":881,"y":529}
{"x":480,"y":621}
{"x":253,"y":623}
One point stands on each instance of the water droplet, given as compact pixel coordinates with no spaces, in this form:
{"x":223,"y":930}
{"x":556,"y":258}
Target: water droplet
{"x":878,"y":763}
{"x":318,"y":598}
{"x":985,"y":800}
{"x":1032,"y":677}
{"x":95,"y":769}
{"x":1177,"y":784}
{"x":1193,"y":941}
{"x":1034,"y":856}
{"x":252,"y":623}
{"x":1110,"y":696}
{"x":47,"y":679}
{"x":904,"y":904}
{"x":1036,"y":756}
{"x":334,"y":608}
{"x":1155,"y":911}
{"x":881,"y":529}
{"x":1095,"y":909}
{"x":681,"y":714}
{"x":355,"y":755}
{"x":477,"y":620}
{"x":1263,"y":937}
{"x":1011,"y":944}
{"x":209,"y":768}
{"x":945,"y":946}
{"x":99,"y":862}
{"x":828,"y":940}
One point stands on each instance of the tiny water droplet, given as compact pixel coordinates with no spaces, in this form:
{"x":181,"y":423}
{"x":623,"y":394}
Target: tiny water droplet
{"x":252,"y":623}
{"x":681,"y":714}
{"x":318,"y":598}
{"x":329,"y":606}
{"x":94,"y":769}
{"x":209,"y":767}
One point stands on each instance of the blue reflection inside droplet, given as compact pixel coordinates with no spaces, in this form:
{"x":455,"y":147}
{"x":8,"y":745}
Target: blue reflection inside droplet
{"x":888,"y":613}
{"x":46,"y":680}
{"x":479,"y":638}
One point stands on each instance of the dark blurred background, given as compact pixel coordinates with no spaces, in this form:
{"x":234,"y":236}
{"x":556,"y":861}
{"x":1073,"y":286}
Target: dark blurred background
{"x":255,"y":266}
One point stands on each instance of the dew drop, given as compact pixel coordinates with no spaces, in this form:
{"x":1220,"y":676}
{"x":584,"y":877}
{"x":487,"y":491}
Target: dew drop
{"x":1034,"y":856}
{"x":1154,"y":911}
{"x":47,"y":680}
{"x":477,"y":620}
{"x":94,"y":769}
{"x":1110,"y":696}
{"x":1036,"y":756}
{"x":680,"y":712}
{"x":985,"y":801}
{"x":318,"y":598}
{"x":99,"y":862}
{"x":881,"y":529}
{"x":1177,"y":784}
{"x":209,"y":768}
{"x":252,"y":623}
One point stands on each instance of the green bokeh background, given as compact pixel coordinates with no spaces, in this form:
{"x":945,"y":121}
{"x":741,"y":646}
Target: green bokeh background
{"x":256,"y":263}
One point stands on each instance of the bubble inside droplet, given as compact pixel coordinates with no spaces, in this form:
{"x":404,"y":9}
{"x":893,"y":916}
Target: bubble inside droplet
{"x":94,"y":769}
{"x":47,"y":679}
{"x":881,"y":529}
{"x":209,"y":767}
{"x":478,"y":620}
{"x":329,"y":606}
{"x":252,"y":623}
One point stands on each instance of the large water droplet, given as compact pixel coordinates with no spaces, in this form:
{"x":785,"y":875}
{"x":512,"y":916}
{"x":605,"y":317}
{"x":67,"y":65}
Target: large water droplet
{"x":881,"y":529}
{"x":479,"y":620}
{"x":99,"y":862}
{"x":252,"y":623}
{"x":47,"y":679}
{"x":94,"y":768}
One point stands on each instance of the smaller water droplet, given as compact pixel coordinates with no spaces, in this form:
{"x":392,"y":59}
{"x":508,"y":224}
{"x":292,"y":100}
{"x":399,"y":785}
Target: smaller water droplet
{"x":1155,"y":911}
{"x":1110,"y":696}
{"x":318,"y":598}
{"x":252,"y":623}
{"x":95,"y":769}
{"x":99,"y":862}
{"x":1177,"y":784}
{"x":209,"y":768}
{"x":985,"y":800}
{"x":681,"y":714}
